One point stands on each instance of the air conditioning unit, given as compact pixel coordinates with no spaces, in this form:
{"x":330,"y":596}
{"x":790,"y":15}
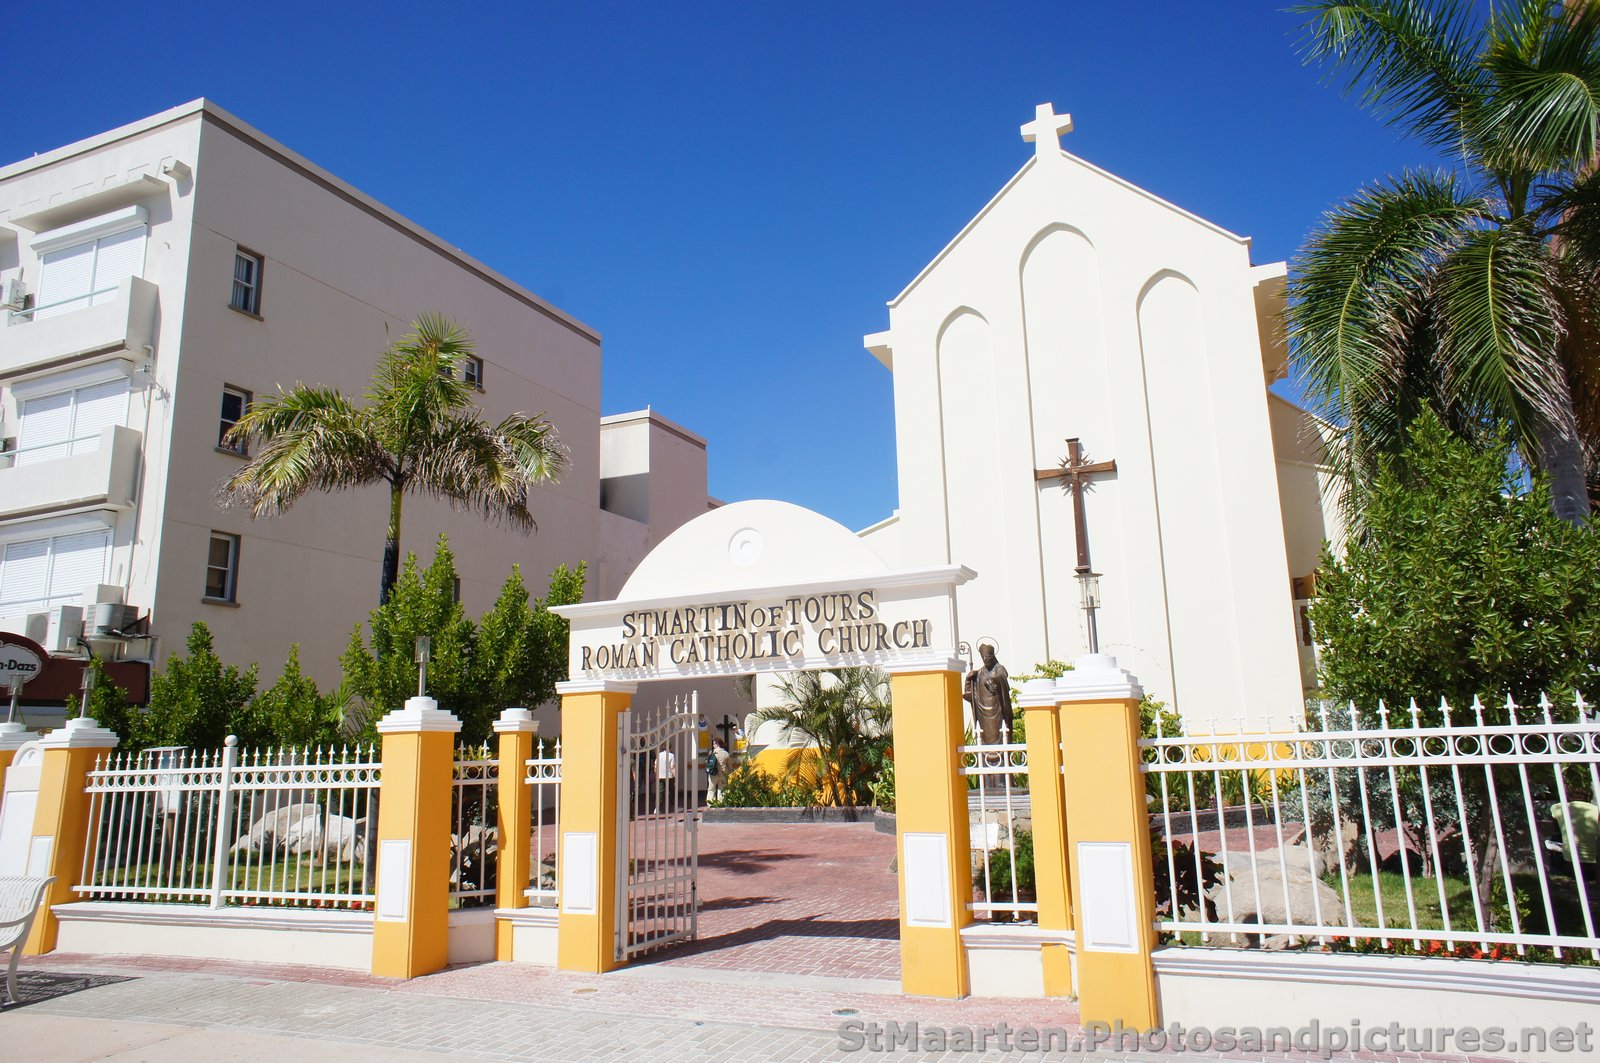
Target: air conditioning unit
{"x":65,"y":632}
{"x":110,"y":618}
{"x":36,"y":626}
{"x":13,"y":294}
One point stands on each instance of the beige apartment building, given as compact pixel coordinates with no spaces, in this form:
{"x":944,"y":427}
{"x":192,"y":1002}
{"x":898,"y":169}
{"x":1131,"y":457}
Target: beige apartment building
{"x":157,"y":277}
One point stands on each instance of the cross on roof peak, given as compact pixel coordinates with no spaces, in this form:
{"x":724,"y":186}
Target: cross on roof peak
{"x":1046,"y":129}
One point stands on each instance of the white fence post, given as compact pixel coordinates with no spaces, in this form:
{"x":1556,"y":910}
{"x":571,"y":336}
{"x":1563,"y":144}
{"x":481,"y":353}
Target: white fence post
{"x":219,"y":840}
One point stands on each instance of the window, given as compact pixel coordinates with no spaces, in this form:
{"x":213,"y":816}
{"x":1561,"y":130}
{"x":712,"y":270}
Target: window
{"x":246,"y":282}
{"x":222,"y":568}
{"x":234,"y":402}
{"x":85,"y":263}
{"x":455,"y":589}
{"x":69,"y":421}
{"x":469,"y":369}
{"x":53,"y":569}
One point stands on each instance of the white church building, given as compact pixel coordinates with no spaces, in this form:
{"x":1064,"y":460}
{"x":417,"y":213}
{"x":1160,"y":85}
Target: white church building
{"x":1077,"y":306}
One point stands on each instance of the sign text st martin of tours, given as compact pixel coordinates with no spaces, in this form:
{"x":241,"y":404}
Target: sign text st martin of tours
{"x":844,"y":623}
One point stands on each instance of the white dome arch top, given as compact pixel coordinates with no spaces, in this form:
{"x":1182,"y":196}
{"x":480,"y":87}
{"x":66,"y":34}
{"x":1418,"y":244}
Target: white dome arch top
{"x":744,"y":545}
{"x":763,"y":586}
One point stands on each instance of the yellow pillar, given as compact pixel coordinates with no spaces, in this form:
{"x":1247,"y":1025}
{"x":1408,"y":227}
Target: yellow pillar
{"x":935,"y":838}
{"x":514,"y":829}
{"x":12,"y":737}
{"x":1113,"y":887}
{"x":411,"y":930}
{"x":586,"y":865}
{"x":61,"y":819}
{"x":1047,"y":800}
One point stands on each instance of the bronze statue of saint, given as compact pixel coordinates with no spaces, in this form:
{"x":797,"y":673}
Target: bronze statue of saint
{"x":989,"y":690}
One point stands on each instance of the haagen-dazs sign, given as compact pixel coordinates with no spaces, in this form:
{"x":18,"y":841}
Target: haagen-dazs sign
{"x":18,"y":661}
{"x":768,"y":631}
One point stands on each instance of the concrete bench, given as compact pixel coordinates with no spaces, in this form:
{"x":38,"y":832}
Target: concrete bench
{"x":19,"y":903}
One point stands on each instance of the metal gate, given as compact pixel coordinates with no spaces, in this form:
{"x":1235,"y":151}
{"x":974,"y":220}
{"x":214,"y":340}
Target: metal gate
{"x":658,"y":818}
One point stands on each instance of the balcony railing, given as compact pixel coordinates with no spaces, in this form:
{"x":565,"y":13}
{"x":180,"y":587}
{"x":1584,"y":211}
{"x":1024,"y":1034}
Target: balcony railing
{"x":121,"y":323}
{"x":103,"y":476}
{"x":61,"y":448}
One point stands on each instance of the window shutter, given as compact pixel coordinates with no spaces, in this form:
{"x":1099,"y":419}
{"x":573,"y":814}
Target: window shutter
{"x":99,"y":407}
{"x":65,"y":275}
{"x":118,"y":258}
{"x":77,"y":562}
{"x":23,"y":571}
{"x":46,"y":422}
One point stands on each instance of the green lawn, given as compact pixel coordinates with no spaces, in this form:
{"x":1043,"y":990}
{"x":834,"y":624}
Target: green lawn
{"x":288,"y":875}
{"x":1397,"y":918}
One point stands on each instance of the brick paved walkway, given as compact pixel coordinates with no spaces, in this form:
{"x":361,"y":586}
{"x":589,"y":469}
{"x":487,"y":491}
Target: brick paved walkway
{"x":815,"y":899}
{"x":88,"y":1008}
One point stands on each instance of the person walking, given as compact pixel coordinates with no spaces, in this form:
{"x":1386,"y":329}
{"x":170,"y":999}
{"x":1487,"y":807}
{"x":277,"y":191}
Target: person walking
{"x":666,"y":777}
{"x":716,"y":769}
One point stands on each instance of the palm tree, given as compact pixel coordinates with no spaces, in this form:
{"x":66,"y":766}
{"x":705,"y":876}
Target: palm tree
{"x":1473,"y":290}
{"x":845,"y":714}
{"x":419,"y":432}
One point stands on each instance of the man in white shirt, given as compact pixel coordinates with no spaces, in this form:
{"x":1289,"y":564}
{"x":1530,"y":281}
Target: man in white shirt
{"x":666,"y":775}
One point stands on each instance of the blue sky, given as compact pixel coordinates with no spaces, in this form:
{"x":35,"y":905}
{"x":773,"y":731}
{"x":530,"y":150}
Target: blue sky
{"x":730,"y":192}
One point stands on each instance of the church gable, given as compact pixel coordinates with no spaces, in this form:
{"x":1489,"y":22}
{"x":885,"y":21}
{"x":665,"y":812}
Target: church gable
{"x":1077,"y":306}
{"x":1057,"y":188}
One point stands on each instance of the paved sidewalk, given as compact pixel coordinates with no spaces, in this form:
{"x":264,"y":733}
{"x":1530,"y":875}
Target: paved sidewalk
{"x":83,"y":1008}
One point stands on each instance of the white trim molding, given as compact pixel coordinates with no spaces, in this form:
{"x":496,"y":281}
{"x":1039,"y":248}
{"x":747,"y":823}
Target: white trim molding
{"x":516,"y":721}
{"x":548,"y":918}
{"x":419,"y":714}
{"x":903,"y":664}
{"x":1530,"y":981}
{"x":1096,"y":677}
{"x":253,"y":918}
{"x":81,"y":733}
{"x":81,"y":232}
{"x":1014,"y":935}
{"x":52,"y":383}
{"x":595,"y":686}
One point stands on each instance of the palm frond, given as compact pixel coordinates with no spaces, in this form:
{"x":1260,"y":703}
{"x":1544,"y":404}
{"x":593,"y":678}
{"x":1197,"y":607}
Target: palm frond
{"x":1568,"y":208}
{"x":1356,"y":293}
{"x":420,"y":431}
{"x":1500,"y":328}
{"x":417,"y":383}
{"x":1545,"y":62}
{"x":305,"y":439}
{"x":1411,"y":63}
{"x":488,"y":469}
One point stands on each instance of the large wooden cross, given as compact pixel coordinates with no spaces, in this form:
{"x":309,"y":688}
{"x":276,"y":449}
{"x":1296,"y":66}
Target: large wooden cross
{"x":1072,"y":472}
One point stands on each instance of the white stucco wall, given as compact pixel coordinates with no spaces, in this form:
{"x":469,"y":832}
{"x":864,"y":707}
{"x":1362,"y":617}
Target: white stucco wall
{"x":1078,"y":305}
{"x":73,"y":184}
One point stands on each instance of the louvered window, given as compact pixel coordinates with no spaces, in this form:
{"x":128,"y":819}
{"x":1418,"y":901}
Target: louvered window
{"x":69,"y":421}
{"x":84,"y":264}
{"x":53,"y":570}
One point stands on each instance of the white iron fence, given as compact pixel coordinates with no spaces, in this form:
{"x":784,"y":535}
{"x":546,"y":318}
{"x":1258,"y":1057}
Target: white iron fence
{"x":1000,"y":815}
{"x":1430,"y":831}
{"x":267,"y":826}
{"x":544,"y":775}
{"x":474,"y":829}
